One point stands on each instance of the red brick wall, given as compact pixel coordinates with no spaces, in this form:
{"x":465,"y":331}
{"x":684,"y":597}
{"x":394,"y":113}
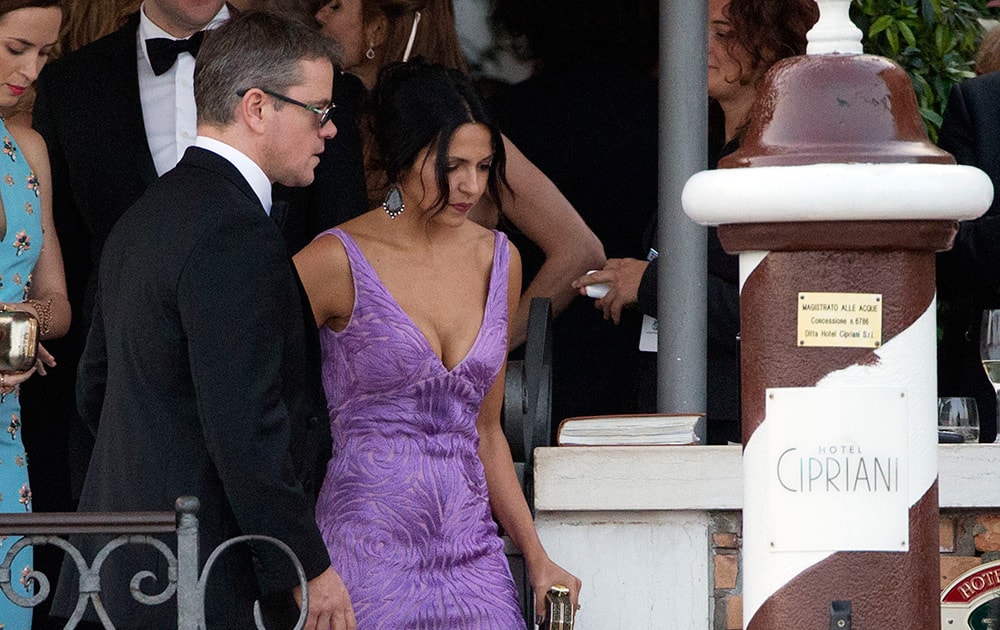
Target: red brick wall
{"x":968,"y":538}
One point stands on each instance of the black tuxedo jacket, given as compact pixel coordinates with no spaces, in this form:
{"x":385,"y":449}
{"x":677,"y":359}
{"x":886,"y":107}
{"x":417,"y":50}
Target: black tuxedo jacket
{"x":89,"y":111}
{"x":197,"y":371}
{"x":968,"y":275}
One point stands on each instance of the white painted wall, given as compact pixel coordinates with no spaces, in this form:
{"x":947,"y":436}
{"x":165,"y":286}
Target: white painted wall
{"x":645,"y":570}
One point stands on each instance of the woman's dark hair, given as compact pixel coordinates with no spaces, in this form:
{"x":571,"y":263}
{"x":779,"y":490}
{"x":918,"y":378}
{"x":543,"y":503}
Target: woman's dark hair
{"x":770,"y":30}
{"x":418,"y":104}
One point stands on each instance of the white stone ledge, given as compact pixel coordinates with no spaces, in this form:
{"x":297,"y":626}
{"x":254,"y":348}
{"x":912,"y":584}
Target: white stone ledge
{"x":837,"y":192}
{"x":668,"y":478}
{"x":639,"y":478}
{"x":969,"y":475}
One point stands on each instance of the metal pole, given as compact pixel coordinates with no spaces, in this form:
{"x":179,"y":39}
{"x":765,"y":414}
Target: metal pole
{"x":682,"y":243}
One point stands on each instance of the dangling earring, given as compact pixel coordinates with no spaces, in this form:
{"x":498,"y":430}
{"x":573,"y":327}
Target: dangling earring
{"x":393,"y":204}
{"x":370,"y":53}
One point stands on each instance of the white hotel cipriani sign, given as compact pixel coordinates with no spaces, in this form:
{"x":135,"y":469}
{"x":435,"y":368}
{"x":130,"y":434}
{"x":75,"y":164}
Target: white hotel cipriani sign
{"x":837,"y":469}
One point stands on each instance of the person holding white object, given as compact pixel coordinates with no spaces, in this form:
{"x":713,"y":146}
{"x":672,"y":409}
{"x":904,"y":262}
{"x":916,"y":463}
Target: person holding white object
{"x":745,"y":38}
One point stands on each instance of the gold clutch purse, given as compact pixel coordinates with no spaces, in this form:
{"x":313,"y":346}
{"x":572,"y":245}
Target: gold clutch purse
{"x":560,"y":610}
{"x":18,"y":341}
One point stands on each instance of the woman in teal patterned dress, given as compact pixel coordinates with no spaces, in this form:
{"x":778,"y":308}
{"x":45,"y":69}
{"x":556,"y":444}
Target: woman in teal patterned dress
{"x":31,"y":271}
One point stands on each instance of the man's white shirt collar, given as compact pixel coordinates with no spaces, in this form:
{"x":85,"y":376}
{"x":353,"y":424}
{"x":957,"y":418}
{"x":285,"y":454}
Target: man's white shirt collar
{"x":248,"y":168}
{"x":148,"y":30}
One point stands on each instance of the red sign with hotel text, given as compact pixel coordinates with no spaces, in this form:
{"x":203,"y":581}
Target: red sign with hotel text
{"x":973,"y":599}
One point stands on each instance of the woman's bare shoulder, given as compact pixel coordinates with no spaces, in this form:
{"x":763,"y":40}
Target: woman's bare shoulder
{"x":323,"y":254}
{"x":482,"y":240}
{"x":30,"y":141}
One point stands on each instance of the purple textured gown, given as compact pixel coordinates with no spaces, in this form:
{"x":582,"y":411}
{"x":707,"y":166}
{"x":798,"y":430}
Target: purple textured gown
{"x":404,"y":508}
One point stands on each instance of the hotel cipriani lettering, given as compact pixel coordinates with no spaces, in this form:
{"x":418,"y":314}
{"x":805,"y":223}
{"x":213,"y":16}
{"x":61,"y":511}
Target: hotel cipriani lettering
{"x":837,"y":469}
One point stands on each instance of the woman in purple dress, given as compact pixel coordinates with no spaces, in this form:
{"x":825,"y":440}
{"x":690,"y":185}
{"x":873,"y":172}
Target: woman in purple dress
{"x":413,"y":302}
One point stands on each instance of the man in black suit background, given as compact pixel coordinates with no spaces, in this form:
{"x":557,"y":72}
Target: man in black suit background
{"x":968,"y":275}
{"x":196,"y":364}
{"x":93,"y":107}
{"x":112,"y":126}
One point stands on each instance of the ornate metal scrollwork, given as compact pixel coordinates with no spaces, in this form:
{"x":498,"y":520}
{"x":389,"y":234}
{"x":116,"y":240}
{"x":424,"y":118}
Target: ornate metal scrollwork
{"x":183,"y":578}
{"x":258,"y":618}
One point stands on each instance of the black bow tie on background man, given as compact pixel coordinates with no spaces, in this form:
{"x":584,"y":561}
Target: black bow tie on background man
{"x":163,"y":52}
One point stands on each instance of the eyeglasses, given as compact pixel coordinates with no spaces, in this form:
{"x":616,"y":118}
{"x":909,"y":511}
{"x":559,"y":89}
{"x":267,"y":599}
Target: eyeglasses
{"x":324,"y":113}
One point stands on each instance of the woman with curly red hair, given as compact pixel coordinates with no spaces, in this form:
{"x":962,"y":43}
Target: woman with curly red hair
{"x":746,"y":38}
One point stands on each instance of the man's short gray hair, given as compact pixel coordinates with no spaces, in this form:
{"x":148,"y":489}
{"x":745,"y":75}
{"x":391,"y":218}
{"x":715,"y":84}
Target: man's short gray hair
{"x":253,"y":50}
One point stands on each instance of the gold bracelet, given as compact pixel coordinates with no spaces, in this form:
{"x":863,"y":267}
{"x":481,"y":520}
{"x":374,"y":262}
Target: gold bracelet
{"x":44,"y":310}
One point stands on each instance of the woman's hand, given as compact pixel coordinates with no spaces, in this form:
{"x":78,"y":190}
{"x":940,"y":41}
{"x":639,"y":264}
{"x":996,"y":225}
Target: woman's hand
{"x":544,"y":575}
{"x":622,"y":275}
{"x":43,"y":358}
{"x":10,"y":380}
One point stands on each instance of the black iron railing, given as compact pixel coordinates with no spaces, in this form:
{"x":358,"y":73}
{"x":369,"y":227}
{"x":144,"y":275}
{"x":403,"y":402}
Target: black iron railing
{"x":132,"y":528}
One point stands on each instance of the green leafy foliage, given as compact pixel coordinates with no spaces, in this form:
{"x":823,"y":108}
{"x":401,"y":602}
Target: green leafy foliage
{"x":935,"y":41}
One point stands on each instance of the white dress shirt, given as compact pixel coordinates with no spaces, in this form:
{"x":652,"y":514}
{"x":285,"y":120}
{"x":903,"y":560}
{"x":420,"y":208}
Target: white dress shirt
{"x":168,"y":109}
{"x":247,"y":167}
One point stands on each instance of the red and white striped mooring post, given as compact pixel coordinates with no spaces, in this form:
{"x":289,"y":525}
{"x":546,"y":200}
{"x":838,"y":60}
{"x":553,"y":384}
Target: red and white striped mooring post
{"x":837,"y":219}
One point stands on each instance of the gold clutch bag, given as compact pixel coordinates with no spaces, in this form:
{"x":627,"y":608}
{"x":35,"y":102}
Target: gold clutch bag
{"x":18,"y":341}
{"x":560,"y":610}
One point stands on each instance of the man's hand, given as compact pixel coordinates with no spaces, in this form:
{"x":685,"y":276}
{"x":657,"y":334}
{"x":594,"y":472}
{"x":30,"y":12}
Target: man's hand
{"x":622,"y":275}
{"x":329,"y":603}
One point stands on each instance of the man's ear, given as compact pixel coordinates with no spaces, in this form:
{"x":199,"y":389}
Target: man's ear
{"x":253,"y":109}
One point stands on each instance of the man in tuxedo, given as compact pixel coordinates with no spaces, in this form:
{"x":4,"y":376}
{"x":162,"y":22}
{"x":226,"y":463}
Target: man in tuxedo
{"x":201,"y":364}
{"x":117,"y":114}
{"x":112,"y":124}
{"x":968,"y":275}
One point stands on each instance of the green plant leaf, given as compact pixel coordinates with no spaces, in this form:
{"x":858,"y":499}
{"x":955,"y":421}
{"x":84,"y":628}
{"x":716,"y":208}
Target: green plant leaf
{"x":931,"y":116}
{"x":907,"y":34}
{"x":935,"y":41}
{"x":880,"y":25}
{"x":892,"y":36}
{"x":928,"y":11}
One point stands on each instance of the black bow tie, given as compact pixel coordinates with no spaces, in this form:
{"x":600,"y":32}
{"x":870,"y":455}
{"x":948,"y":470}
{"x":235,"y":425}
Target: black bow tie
{"x":163,"y":52}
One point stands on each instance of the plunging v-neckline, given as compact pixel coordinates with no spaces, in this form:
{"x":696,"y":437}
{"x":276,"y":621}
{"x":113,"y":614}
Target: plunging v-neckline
{"x":412,"y":323}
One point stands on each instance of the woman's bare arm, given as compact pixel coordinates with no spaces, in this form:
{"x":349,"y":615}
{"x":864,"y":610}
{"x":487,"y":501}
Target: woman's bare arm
{"x":544,"y":215}
{"x":506,"y":497}
{"x":48,"y":283}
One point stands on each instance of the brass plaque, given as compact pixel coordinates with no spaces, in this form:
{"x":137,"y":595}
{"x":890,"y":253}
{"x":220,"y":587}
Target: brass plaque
{"x":840,"y":320}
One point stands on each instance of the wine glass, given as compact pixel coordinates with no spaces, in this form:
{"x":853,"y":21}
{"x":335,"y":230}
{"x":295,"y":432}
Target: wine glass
{"x":958,"y":420}
{"x":989,"y":351}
